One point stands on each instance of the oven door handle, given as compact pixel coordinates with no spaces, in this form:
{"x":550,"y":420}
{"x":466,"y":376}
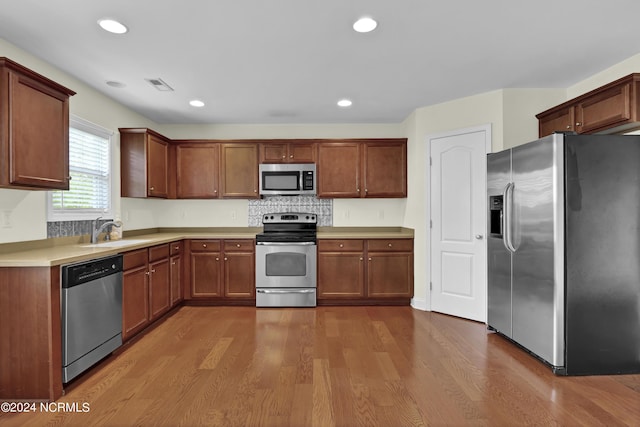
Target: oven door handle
{"x":286,"y":243}
{"x":283,"y":291}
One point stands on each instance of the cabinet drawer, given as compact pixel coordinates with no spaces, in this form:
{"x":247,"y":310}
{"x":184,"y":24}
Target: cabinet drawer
{"x":204,"y":245}
{"x":244,"y":245}
{"x":175,"y":248}
{"x":340,"y":245}
{"x":158,"y":252}
{"x":400,"y":245}
{"x":134,"y":259}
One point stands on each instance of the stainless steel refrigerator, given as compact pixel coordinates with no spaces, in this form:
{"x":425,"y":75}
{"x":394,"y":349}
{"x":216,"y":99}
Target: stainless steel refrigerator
{"x":564,"y":251}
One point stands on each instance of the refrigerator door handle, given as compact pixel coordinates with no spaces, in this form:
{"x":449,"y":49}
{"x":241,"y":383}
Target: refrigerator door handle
{"x":507,"y":196}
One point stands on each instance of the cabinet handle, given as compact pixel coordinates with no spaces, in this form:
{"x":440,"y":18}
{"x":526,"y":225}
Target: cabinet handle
{"x":147,"y":273}
{"x":342,"y":245}
{"x":284,"y":157}
{"x":369,"y":258}
{"x":152,"y":188}
{"x":173,"y":263}
{"x":568,"y":126}
{"x":177,"y":248}
{"x":358,"y":190}
{"x":217,"y":259}
{"x":291,"y":156}
{"x":215,"y":191}
{"x":255,"y":191}
{"x":390,"y":245}
{"x":204,"y":245}
{"x":578,"y":124}
{"x":69,"y":178}
{"x":153,"y":270}
{"x":238,"y":245}
{"x":361,"y":259}
{"x":225,"y":258}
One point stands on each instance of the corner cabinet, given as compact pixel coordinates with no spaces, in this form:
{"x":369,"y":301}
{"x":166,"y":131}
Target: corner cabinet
{"x":362,"y":168}
{"x":34,"y":130}
{"x":367,"y":272}
{"x":612,"y":107}
{"x":144,"y":163}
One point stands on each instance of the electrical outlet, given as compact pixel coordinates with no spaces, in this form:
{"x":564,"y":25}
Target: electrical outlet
{"x":5,"y":219}
{"x":234,"y":214}
{"x":381,"y":214}
{"x":346,"y":214}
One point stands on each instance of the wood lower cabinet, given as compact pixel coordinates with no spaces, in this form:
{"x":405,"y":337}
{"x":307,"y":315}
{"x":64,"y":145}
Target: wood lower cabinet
{"x":147,"y":287}
{"x":159,"y":281}
{"x":135,"y":292}
{"x":175,"y":272}
{"x":34,"y":129}
{"x":614,"y":107}
{"x":374,"y":271}
{"x":222,"y":270}
{"x":144,"y":163}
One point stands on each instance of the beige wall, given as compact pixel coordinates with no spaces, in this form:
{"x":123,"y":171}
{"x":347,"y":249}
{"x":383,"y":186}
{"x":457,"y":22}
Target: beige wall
{"x":27,"y":209}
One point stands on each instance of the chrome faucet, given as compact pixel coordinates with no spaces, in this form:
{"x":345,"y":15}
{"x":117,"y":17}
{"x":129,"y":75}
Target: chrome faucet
{"x":99,"y":229}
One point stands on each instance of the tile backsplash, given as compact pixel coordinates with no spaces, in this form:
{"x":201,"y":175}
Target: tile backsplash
{"x":323,"y":208}
{"x":71,"y":228}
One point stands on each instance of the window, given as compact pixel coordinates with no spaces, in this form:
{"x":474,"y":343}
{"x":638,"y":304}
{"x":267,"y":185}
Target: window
{"x":89,"y":194}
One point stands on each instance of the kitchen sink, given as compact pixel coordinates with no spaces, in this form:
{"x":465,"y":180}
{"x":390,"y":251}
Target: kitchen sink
{"x":115,"y":243}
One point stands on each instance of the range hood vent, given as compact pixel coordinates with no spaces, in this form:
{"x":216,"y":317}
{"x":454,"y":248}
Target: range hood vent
{"x":160,"y":85}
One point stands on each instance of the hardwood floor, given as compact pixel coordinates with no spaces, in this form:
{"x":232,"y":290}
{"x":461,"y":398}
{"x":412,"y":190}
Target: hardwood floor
{"x":342,"y":366}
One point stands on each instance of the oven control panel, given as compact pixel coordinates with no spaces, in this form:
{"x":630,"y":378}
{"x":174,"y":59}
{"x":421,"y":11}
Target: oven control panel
{"x":290,"y":218}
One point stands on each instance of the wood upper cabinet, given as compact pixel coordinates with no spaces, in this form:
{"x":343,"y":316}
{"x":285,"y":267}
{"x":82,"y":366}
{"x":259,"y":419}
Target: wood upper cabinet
{"x":614,"y":106}
{"x":144,"y":163}
{"x":239,"y":170}
{"x":287,"y":152}
{"x":362,"y":168}
{"x":339,"y":169}
{"x":385,"y":169}
{"x":365,"y":271}
{"x":198,"y":170}
{"x":34,"y":129}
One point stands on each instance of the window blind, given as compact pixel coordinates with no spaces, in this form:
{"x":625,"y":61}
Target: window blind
{"x":89,"y":168}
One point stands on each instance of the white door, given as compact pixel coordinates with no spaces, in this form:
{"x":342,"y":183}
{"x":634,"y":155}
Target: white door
{"x":458,"y":222}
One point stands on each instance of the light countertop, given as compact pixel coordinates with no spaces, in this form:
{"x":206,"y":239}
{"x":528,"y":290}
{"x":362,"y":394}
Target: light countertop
{"x":52,"y":252}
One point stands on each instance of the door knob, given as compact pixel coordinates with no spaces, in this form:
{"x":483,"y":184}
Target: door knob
{"x":479,"y":236}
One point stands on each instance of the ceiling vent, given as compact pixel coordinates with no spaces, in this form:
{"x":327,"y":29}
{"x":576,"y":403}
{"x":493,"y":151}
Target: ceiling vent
{"x":160,"y":85}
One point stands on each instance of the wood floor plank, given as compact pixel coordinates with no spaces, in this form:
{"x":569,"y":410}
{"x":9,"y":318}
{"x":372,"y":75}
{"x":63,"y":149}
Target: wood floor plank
{"x":332,"y":366}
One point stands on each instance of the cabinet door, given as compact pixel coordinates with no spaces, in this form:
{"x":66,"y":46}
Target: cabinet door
{"x":175,"y":268}
{"x":338,"y":169}
{"x":273,"y":152}
{"x":389,"y":274}
{"x":239,"y":275}
{"x":239,"y":164}
{"x":606,"y":109}
{"x":159,"y":288}
{"x":561,"y":120}
{"x":301,"y":153}
{"x":157,"y":167}
{"x":135,"y":301}
{"x":197,"y":171}
{"x":385,"y":169}
{"x":38,"y":134}
{"x":340,"y":275}
{"x":206,"y":274}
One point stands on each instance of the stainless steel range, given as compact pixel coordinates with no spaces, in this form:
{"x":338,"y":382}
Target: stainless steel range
{"x":286,"y":260}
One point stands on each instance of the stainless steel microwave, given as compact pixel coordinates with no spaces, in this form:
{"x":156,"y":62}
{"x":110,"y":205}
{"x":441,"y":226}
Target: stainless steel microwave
{"x":289,"y":179}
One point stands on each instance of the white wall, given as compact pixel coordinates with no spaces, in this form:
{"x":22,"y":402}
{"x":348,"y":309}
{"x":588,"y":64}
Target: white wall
{"x":27,"y":209}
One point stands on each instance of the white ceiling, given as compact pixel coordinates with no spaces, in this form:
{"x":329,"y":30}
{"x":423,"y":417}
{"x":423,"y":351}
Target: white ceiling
{"x":290,"y":61}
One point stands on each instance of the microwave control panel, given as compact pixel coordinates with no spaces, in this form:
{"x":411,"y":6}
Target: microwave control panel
{"x":307,"y":180}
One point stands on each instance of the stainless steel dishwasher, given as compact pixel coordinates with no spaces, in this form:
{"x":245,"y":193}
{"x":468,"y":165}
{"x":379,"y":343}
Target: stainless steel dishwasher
{"x":91,"y":308}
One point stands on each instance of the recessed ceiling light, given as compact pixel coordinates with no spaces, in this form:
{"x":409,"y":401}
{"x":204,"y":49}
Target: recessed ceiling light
{"x":196,"y":103}
{"x":365,"y":24}
{"x":112,"y":26}
{"x":344,"y":103}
